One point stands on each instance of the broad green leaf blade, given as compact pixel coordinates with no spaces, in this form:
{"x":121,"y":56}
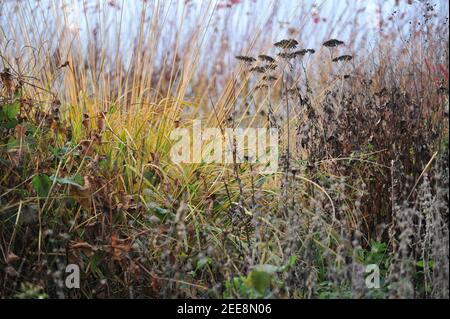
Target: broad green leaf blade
{"x":11,"y":110}
{"x":41,"y":184}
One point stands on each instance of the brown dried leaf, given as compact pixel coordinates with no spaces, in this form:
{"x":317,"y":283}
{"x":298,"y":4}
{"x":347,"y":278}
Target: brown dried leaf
{"x":12,"y":258}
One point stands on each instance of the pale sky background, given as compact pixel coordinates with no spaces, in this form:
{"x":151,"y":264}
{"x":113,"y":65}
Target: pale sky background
{"x":312,"y":18}
{"x":288,"y":13}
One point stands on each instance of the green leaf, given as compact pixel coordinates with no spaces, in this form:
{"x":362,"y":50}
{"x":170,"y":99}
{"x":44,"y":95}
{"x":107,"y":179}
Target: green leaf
{"x":421,"y":264}
{"x":292,"y":260}
{"x":260,"y":280}
{"x":74,"y":180}
{"x":12,"y":143}
{"x":30,"y":127}
{"x":159,"y":212}
{"x":41,"y":184}
{"x":11,"y":124}
{"x":11,"y":110}
{"x":151,"y":177}
{"x":270,"y":269}
{"x":203,"y":261}
{"x":378,"y":247}
{"x":260,"y":277}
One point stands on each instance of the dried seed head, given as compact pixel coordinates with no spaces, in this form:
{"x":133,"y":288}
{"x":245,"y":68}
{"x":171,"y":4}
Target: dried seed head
{"x":301,"y":52}
{"x":266,"y":58}
{"x":6,"y":75}
{"x":262,"y":86}
{"x":258,"y":69}
{"x":101,"y":123}
{"x":65,"y":64}
{"x":286,"y":44}
{"x":333,"y":43}
{"x":287,"y":55}
{"x":271,"y":66}
{"x":344,"y":57}
{"x":7,"y":80}
{"x":86,"y":122}
{"x":85,"y":145}
{"x":269,"y":78}
{"x":245,"y":58}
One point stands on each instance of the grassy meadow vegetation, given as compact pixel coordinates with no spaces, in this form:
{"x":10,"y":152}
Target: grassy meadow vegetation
{"x":88,"y":102}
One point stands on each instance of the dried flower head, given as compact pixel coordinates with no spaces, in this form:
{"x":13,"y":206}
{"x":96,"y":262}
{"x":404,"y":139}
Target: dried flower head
{"x":5,"y":74}
{"x":343,"y":58}
{"x":258,"y":69}
{"x":262,"y":86}
{"x":287,"y":55}
{"x":245,"y":58}
{"x":332,"y":43}
{"x":271,"y":66}
{"x":7,"y":80}
{"x":269,"y":78}
{"x":300,"y":52}
{"x":286,"y":44}
{"x":266,"y":58}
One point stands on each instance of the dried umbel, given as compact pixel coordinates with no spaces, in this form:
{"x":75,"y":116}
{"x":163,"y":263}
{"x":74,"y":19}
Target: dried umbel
{"x":269,"y":78}
{"x":65,"y":64}
{"x":293,"y":91}
{"x":258,"y":69}
{"x":301,"y":53}
{"x":262,"y":86}
{"x":266,"y":58}
{"x":344,"y":58}
{"x":286,"y":44}
{"x":271,"y":66}
{"x":295,"y":54}
{"x":333,"y":43}
{"x":287,"y":55}
{"x":245,"y":58}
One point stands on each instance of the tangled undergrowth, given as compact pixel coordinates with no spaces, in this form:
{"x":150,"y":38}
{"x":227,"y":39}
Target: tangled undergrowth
{"x":86,"y":175}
